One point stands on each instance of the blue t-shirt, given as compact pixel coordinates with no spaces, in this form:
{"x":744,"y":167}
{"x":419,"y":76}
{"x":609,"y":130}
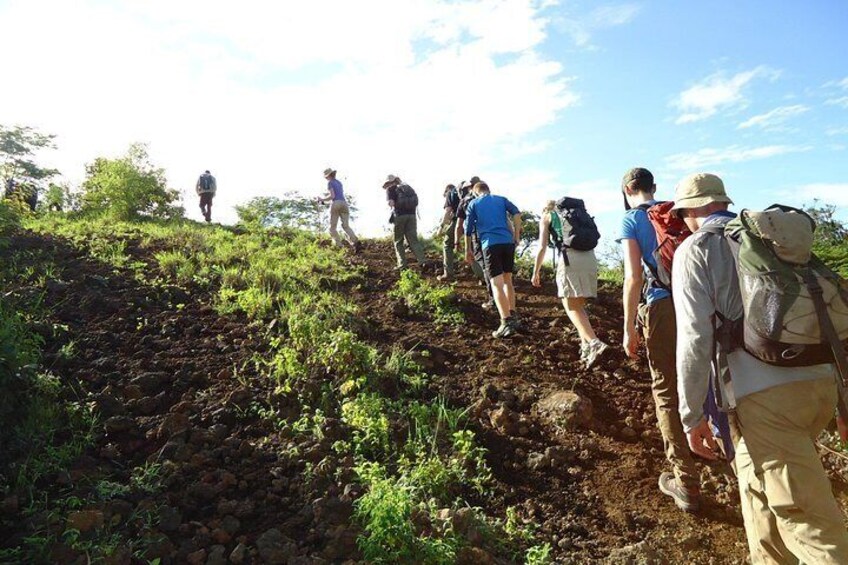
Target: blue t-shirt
{"x":486,"y":215}
{"x":336,"y":186}
{"x":636,"y":225}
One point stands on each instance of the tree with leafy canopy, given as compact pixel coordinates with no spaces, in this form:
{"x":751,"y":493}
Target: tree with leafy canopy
{"x":20,"y":174}
{"x":831,"y":237}
{"x":293,"y":210}
{"x":128,"y":188}
{"x":529,"y":231}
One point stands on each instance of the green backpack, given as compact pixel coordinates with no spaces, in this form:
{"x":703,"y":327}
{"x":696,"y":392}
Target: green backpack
{"x":795,"y":308}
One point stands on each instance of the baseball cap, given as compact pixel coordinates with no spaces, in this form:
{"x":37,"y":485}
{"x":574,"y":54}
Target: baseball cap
{"x":643,"y":177}
{"x":698,"y":190}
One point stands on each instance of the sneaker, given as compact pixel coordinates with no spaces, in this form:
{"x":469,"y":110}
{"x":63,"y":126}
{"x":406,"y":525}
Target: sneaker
{"x":685,"y":499}
{"x":506,"y":329}
{"x":357,"y":247}
{"x":595,"y":350}
{"x":444,"y":277}
{"x":517,"y":322}
{"x":489,"y":305}
{"x":584,"y":351}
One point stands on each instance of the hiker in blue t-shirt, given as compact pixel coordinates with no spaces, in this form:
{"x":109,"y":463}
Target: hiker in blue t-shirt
{"x":657,"y":318}
{"x":490,"y":217}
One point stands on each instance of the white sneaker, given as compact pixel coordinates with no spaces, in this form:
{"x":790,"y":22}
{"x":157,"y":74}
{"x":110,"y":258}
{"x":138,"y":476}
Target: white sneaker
{"x":596,"y":349}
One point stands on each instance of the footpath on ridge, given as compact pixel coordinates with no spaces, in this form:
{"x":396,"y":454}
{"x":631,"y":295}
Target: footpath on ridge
{"x":591,"y":488}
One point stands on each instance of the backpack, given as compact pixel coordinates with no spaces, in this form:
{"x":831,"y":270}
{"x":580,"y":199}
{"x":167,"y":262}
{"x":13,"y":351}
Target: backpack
{"x":406,"y":201}
{"x":789,"y":296}
{"x":205,"y":183}
{"x":795,"y":309}
{"x":671,"y":230}
{"x":583,"y":235}
{"x":453,"y":199}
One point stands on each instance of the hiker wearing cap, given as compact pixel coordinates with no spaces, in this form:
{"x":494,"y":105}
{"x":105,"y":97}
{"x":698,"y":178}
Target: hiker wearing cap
{"x":576,"y":281}
{"x":404,"y":204}
{"x":447,"y":228}
{"x":206,"y":188}
{"x":487,"y":215}
{"x":339,"y":209}
{"x":655,"y":314}
{"x":466,"y":197}
{"x":788,"y":508}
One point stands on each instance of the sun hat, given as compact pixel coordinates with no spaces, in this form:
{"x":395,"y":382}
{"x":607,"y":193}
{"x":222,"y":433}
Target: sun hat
{"x":391,"y":179}
{"x":329,"y":171}
{"x":698,"y":190}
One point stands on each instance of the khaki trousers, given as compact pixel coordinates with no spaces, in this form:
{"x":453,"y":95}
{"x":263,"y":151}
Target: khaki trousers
{"x":787,"y":502}
{"x":339,"y":210}
{"x":447,"y":249}
{"x":659,"y":329}
{"x":406,"y":227}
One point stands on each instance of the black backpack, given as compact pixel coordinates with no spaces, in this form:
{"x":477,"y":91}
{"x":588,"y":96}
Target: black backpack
{"x":205,"y":182}
{"x":453,"y":200}
{"x":406,"y":201}
{"x":584,"y":234}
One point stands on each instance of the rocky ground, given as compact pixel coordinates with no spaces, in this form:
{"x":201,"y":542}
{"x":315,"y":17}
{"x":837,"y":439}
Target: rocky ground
{"x":577,"y":452}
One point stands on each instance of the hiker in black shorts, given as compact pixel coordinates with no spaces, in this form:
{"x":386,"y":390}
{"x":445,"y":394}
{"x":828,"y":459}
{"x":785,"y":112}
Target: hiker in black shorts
{"x":466,"y":196}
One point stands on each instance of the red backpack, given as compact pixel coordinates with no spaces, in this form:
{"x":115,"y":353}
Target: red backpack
{"x":671,"y":230}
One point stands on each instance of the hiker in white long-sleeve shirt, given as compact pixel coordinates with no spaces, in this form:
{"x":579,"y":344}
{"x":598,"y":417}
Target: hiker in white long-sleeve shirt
{"x":788,"y":507}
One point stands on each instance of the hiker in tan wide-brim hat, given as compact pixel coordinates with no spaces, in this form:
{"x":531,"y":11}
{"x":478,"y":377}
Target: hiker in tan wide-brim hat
{"x":698,"y":190}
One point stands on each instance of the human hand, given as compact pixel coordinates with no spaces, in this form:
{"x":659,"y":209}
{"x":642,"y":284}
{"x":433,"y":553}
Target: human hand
{"x":537,"y":278}
{"x":630,"y":343}
{"x":702,"y":442}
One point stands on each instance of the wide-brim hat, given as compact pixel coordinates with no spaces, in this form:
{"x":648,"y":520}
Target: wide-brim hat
{"x":699,"y":190}
{"x":329,"y":171}
{"x":390,"y":180}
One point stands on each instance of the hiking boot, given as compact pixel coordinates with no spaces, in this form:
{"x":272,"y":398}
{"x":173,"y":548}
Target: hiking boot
{"x":357,"y":246}
{"x":686,"y":499}
{"x":517,"y":322}
{"x":595,"y":350}
{"x":506,"y":329}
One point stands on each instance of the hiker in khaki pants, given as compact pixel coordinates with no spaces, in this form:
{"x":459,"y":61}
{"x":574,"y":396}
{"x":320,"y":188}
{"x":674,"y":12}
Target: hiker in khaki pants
{"x":787,"y":503}
{"x":339,"y":210}
{"x":656,"y":317}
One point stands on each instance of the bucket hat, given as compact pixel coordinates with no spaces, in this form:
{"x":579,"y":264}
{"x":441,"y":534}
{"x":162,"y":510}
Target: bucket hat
{"x":329,"y":171}
{"x":698,"y":190}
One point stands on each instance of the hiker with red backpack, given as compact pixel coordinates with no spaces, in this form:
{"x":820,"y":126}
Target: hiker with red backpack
{"x":761,"y":321}
{"x":576,"y":272}
{"x":404,"y":204}
{"x":648,"y":304}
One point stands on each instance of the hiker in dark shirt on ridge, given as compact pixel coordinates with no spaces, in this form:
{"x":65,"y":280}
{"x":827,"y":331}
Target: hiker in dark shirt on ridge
{"x":206,"y":189}
{"x":404,"y":204}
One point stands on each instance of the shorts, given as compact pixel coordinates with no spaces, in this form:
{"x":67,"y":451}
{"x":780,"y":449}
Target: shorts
{"x":580,"y":278}
{"x":499,"y":259}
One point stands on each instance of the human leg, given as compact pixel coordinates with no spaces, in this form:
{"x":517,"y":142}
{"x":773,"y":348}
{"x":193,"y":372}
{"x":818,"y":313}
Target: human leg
{"x":660,"y":332}
{"x":344,"y":216}
{"x":335,"y":212}
{"x":399,"y":234}
{"x":779,"y":426}
{"x":412,"y":238}
{"x":575,"y":309}
{"x":448,"y":250}
{"x":501,"y":298}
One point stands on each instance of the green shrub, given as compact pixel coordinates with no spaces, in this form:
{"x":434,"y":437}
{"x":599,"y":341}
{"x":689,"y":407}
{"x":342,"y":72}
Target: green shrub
{"x":422,"y":297}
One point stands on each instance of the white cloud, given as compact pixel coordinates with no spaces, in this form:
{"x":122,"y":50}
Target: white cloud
{"x":582,"y":28}
{"x":841,"y":101}
{"x":711,"y":157}
{"x":774,"y":117}
{"x":717,"y":92}
{"x":828,"y":193}
{"x":267,"y":95}
{"x":837,"y":131}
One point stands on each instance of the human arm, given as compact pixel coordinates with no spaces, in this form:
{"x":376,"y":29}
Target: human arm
{"x":470,"y":225}
{"x":516,"y":222}
{"x":633,"y":279}
{"x":695,"y":312}
{"x":544,"y":234}
{"x":458,"y":231}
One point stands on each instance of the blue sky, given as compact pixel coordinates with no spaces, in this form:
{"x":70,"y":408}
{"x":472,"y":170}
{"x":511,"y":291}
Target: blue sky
{"x":540,"y":98}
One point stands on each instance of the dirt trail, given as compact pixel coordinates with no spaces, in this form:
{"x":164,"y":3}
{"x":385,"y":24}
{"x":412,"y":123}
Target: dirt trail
{"x":598,"y":493}
{"x":174,"y":385}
